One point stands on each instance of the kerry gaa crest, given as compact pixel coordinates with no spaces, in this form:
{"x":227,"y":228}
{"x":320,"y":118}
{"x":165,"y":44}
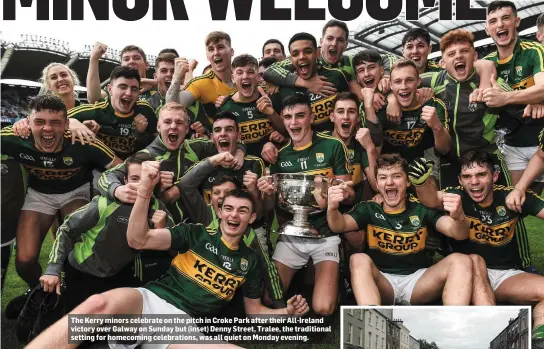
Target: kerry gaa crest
{"x":414,"y":220}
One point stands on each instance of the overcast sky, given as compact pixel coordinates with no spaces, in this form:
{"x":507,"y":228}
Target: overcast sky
{"x":458,"y":327}
{"x":186,"y":36}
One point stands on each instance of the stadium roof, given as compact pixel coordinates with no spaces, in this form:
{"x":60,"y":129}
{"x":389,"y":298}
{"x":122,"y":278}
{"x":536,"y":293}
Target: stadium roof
{"x":25,"y":58}
{"x":387,"y":36}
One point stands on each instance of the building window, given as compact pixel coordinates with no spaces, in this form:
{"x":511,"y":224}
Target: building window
{"x":350,"y":311}
{"x":361,"y":315}
{"x":376,"y":321}
{"x":361,"y":337}
{"x":376,"y":344}
{"x":350,"y":333}
{"x":369,"y":340}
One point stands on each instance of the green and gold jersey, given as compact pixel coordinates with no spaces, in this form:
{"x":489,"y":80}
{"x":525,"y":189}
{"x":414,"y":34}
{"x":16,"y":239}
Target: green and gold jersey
{"x":207,"y":272}
{"x":325,"y":155}
{"x":322,"y":106}
{"x":518,"y":71}
{"x":541,"y":140}
{"x":358,"y":161}
{"x":117,"y":130}
{"x":397,"y":240}
{"x":432,"y":66}
{"x":493,"y":228}
{"x":59,"y":172}
{"x":412,"y":136}
{"x":251,"y":163}
{"x":254,"y":126}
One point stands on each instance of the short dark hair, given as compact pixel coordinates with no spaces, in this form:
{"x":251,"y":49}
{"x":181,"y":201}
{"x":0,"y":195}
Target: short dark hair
{"x":227,"y":179}
{"x":267,"y":62}
{"x":416,"y":33}
{"x":274,"y":41}
{"x":124,"y":72}
{"x":403,"y":63}
{"x":335,"y":23}
{"x":165,"y":57}
{"x":303,"y":36}
{"x":244,"y":60}
{"x":133,"y":48}
{"x":346,"y":96}
{"x":480,"y":158}
{"x":370,"y":55}
{"x":137,"y":158}
{"x":390,"y":160}
{"x":497,"y":5}
{"x":296,"y":99}
{"x":540,"y":21}
{"x":169,"y":50}
{"x":242,"y":194}
{"x":47,"y":101}
{"x":226,"y":114}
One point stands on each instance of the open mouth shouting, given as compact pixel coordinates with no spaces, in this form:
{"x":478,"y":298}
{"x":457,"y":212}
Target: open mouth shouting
{"x":167,"y":83}
{"x":502,"y":35}
{"x":47,"y":141}
{"x":460,"y":68}
{"x":246,"y":88}
{"x":333,"y":55}
{"x":391,"y":193}
{"x":369,"y":82}
{"x":304,"y":69}
{"x":232,"y":224}
{"x":405,"y":97}
{"x":224,"y":145}
{"x":126,"y":103}
{"x":477,"y":193}
{"x":295,"y":131}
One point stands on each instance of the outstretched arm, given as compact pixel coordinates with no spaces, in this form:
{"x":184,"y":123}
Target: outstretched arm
{"x":139,"y":235}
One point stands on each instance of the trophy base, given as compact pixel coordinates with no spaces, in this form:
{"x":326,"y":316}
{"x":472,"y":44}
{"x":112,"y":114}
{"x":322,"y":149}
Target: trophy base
{"x":301,"y":231}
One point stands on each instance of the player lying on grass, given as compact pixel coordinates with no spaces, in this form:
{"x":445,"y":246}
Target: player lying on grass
{"x":396,"y":269}
{"x":200,"y":281}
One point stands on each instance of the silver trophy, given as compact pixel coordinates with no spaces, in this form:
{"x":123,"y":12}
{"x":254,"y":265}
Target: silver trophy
{"x":303,"y":195}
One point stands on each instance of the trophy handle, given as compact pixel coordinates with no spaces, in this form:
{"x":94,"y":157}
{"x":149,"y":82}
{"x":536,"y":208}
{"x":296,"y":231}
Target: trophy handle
{"x":325,"y":188}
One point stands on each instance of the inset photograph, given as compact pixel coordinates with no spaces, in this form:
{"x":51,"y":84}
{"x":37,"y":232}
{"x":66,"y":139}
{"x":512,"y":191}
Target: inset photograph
{"x":505,"y":327}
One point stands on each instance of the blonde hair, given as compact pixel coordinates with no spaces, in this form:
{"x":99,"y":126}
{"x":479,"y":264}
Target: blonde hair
{"x":45,"y":78}
{"x":173,"y":106}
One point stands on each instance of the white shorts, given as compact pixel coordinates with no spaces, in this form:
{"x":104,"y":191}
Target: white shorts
{"x":497,"y":276}
{"x":429,"y":154}
{"x":517,"y":158}
{"x":50,"y":203}
{"x":294,"y":251}
{"x":403,"y":285}
{"x":154,"y":305}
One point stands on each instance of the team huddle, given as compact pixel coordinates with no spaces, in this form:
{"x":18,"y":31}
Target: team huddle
{"x":437,"y":165}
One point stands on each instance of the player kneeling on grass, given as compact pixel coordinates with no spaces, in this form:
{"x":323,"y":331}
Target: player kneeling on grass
{"x":396,"y":268}
{"x":493,"y":241}
{"x":203,"y":277}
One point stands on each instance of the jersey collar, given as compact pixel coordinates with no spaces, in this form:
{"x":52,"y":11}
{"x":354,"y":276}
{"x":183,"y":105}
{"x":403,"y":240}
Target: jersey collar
{"x":517,"y":48}
{"x":306,"y":146}
{"x":468,"y":78}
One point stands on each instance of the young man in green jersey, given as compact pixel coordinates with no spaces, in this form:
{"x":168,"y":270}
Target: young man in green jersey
{"x":303,"y":50}
{"x":416,"y":46}
{"x":59,"y":176}
{"x":422,"y":128}
{"x":203,"y":278}
{"x":471,"y":123}
{"x":333,"y":44}
{"x":176,"y":153}
{"x":255,"y":115}
{"x":164,"y":72}
{"x":520,"y":63}
{"x":396,"y":269}
{"x":101,"y":224}
{"x":492,"y":243}
{"x":123,"y":123}
{"x":534,"y":169}
{"x":198,"y":211}
{"x":312,"y":153}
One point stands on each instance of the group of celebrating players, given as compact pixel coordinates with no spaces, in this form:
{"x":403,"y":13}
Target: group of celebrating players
{"x":443,"y":158}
